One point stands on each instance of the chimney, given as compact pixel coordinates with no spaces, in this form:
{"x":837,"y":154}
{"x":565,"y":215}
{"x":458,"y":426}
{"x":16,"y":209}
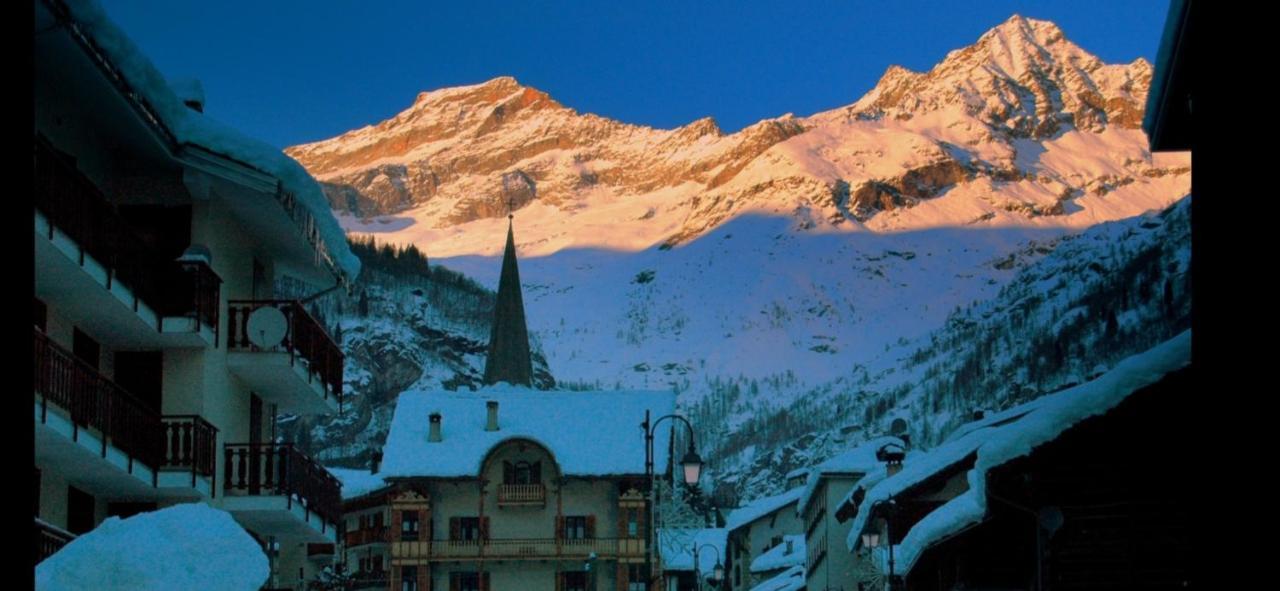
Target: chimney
{"x":492,"y":423}
{"x":375,"y":462}
{"x":893,"y":468}
{"x":434,"y":434}
{"x":790,"y":545}
{"x":906,"y":439}
{"x":979,"y":414}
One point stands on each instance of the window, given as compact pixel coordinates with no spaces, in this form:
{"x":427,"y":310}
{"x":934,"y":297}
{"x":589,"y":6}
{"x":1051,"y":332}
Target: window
{"x":408,"y":527}
{"x":408,"y":578}
{"x":521,"y":472}
{"x":633,"y":523}
{"x":635,"y":578}
{"x":575,"y":527}
{"x":574,"y":581}
{"x":464,"y":528}
{"x":469,"y":581}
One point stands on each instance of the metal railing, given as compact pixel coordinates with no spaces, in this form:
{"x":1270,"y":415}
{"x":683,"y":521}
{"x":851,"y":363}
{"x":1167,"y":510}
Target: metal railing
{"x":279,"y":469}
{"x":368,"y":535}
{"x":190,"y":442}
{"x":49,"y":539}
{"x":94,"y":402}
{"x":305,"y":338}
{"x":514,"y":549}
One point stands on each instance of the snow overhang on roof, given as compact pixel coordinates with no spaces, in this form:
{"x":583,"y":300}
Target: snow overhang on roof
{"x":792,"y":579}
{"x":592,"y":433}
{"x":859,"y":460}
{"x":1167,"y":120}
{"x":997,"y":445}
{"x":779,"y":557}
{"x":157,"y":103}
{"x":762,"y":507}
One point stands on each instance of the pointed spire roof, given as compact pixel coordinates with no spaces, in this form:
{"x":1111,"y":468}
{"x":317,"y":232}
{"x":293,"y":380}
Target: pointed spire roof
{"x":509,"y":360}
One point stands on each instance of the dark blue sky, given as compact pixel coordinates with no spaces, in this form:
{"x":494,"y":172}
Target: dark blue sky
{"x":290,"y":71}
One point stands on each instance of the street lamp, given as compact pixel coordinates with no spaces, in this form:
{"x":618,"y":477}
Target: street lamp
{"x":717,"y":571}
{"x":872,"y":539}
{"x":692,"y":465}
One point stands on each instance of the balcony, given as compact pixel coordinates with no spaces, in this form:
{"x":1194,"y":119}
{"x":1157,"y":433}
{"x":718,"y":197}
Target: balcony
{"x":518,"y":549}
{"x":285,"y":355}
{"x":368,"y":535}
{"x":49,"y":539}
{"x":522,"y":495}
{"x":93,"y":268}
{"x":274,"y":489}
{"x":117,"y":444}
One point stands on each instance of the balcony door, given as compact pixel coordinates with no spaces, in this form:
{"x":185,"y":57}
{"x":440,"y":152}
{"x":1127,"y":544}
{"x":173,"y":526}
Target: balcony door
{"x":141,"y":373}
{"x":80,"y":511}
{"x":85,"y":348}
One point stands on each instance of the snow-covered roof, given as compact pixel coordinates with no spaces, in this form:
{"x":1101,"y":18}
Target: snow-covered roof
{"x":997,"y":445}
{"x":186,"y":546}
{"x":778,"y":557}
{"x":859,"y":460}
{"x":591,"y":433}
{"x":676,"y":547}
{"x":791,"y":579}
{"x":798,"y":472}
{"x":190,"y":127}
{"x":761,"y":507}
{"x":355,"y":482}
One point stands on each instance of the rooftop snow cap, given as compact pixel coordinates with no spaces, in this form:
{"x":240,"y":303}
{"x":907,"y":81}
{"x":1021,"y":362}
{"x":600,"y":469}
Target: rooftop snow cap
{"x":492,"y":423}
{"x":434,"y":435}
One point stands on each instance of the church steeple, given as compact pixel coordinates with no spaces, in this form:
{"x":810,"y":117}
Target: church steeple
{"x":509,"y":360}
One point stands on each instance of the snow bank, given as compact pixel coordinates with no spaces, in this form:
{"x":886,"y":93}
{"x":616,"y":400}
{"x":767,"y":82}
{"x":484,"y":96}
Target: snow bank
{"x":188,"y":546}
{"x":778,"y":557}
{"x":791,"y":579}
{"x":191,"y":127}
{"x":761,"y":507}
{"x":1051,"y":416}
{"x":590,"y":433}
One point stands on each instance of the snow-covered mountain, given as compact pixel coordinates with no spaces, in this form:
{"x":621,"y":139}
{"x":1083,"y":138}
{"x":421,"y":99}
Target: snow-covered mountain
{"x":790,"y":252}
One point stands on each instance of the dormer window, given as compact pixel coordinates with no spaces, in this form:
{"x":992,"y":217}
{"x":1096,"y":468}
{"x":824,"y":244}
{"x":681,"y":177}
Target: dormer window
{"x":521,"y":472}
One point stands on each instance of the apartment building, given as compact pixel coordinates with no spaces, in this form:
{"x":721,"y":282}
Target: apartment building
{"x":756,"y":529}
{"x":162,"y":354}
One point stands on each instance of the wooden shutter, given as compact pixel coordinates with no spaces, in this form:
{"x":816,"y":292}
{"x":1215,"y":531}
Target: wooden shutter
{"x":591,"y":526}
{"x":484,"y":527}
{"x":455,"y":583}
{"x":484,"y":578}
{"x":508,"y":473}
{"x":559,"y":581}
{"x":535,"y":473}
{"x":455,"y":528}
{"x":560,"y":527}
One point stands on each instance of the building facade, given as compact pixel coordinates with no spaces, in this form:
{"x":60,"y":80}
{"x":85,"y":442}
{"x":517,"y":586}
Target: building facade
{"x":755,"y":529}
{"x":162,"y":354}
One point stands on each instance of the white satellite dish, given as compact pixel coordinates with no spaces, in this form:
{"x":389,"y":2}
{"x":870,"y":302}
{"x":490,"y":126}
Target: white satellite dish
{"x":267,"y":327}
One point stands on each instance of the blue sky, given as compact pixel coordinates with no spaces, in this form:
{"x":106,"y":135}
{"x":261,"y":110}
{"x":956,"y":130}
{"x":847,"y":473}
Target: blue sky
{"x":290,"y":71}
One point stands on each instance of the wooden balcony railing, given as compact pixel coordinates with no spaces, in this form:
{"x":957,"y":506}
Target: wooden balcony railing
{"x":279,"y":469}
{"x":74,"y":205}
{"x":190,"y":442}
{"x":522,"y":494}
{"x":95,"y":402}
{"x":49,"y":539}
{"x":305,"y":338}
{"x":516,"y":549}
{"x":368,"y":535}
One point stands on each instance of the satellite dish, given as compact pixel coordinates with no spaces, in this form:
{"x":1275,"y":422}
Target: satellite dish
{"x":898,"y":426}
{"x":267,"y":327}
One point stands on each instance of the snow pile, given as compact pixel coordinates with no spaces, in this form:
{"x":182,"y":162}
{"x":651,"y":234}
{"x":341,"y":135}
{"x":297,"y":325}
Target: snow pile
{"x":191,"y":127}
{"x":677,"y":546}
{"x":187,"y":546}
{"x":760,"y":508}
{"x":791,"y":579}
{"x":561,"y":421}
{"x":859,"y":460}
{"x":356,"y":483}
{"x":1051,"y":416}
{"x":779,"y":557}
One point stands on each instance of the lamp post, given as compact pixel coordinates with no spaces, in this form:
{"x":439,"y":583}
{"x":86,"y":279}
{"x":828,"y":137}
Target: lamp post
{"x":717,"y":572}
{"x":692,"y":469}
{"x":872,"y":539}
